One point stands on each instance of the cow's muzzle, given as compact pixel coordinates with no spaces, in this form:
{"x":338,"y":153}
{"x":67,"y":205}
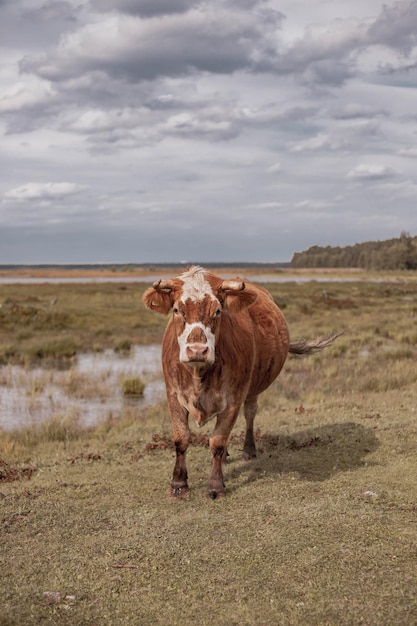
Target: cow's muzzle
{"x":198,"y":353}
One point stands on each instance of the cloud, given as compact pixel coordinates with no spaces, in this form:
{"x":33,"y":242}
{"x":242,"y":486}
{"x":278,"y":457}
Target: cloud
{"x":43,"y":191}
{"x":145,"y":8}
{"x":208,"y":123}
{"x":33,"y":26}
{"x":134,"y":46}
{"x":357,"y":111}
{"x":272,"y":112}
{"x":24,"y":95}
{"x":274,"y":168}
{"x":183,"y":113}
{"x":329,"y":54}
{"x":395,"y":27}
{"x":180,"y":114}
{"x":323,"y":54}
{"x":51,"y":10}
{"x":321,"y":141}
{"x":371,"y":172}
{"x":212,"y":39}
{"x":96,"y":121}
{"x":267,"y":207}
{"x":408,"y":152}
{"x":313,"y":205}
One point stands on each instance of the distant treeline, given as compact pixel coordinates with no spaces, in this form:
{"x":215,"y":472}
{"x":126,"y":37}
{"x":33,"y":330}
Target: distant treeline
{"x":126,"y":267}
{"x":392,"y":254}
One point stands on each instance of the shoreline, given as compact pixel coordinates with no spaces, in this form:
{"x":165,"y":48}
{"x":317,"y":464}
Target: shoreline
{"x":35,"y":275}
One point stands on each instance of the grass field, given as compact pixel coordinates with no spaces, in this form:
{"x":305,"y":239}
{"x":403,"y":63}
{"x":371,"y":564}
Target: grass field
{"x":320,"y":530}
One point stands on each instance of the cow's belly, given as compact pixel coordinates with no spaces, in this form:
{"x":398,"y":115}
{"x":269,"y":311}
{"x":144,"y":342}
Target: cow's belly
{"x":272,"y":351}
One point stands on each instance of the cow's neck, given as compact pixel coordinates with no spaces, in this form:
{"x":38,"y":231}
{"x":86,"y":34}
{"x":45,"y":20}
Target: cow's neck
{"x":199,"y":377}
{"x":205,"y":401}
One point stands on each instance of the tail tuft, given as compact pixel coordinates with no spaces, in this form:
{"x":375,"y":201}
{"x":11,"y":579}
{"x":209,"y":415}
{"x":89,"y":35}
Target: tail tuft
{"x":303,"y":346}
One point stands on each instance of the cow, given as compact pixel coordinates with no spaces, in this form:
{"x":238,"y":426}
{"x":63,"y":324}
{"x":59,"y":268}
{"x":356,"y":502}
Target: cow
{"x":224,"y":344}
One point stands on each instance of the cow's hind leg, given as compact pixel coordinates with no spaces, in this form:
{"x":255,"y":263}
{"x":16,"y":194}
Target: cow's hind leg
{"x":249,"y":448}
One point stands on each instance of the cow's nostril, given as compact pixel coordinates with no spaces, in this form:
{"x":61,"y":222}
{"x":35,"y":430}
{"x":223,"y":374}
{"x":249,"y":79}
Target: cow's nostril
{"x":197,"y":351}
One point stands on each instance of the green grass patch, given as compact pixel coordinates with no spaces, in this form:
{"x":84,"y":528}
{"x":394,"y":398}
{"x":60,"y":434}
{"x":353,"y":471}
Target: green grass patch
{"x":123,"y":345}
{"x":133,"y":386}
{"x":52,"y":349}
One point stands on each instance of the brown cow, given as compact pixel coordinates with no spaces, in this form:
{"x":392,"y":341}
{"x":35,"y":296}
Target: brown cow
{"x":226,"y":343}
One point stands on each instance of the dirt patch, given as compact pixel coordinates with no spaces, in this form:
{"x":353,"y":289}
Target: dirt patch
{"x":10,"y":473}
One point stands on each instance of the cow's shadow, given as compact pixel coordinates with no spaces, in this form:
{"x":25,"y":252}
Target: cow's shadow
{"x":314,"y":454}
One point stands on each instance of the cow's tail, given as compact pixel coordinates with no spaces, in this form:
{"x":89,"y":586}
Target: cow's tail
{"x":303,"y":346}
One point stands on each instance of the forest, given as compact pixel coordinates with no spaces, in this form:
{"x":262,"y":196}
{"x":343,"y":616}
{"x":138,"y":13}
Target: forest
{"x":392,"y":254}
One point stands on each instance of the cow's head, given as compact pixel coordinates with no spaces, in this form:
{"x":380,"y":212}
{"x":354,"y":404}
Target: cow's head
{"x":198,"y":300}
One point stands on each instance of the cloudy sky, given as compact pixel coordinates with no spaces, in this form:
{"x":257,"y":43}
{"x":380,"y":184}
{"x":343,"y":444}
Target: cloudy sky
{"x":218,"y":130}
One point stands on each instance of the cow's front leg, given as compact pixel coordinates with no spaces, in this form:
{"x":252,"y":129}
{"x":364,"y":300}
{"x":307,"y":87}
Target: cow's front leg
{"x":181,"y":433}
{"x":218,"y":447}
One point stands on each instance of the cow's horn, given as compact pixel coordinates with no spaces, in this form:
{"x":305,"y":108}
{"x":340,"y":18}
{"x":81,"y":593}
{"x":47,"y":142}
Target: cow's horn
{"x":163,"y":285}
{"x":233,"y":285}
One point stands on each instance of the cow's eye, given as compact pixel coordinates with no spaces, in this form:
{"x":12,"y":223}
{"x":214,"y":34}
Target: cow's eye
{"x":218,"y":312}
{"x":176,"y":310}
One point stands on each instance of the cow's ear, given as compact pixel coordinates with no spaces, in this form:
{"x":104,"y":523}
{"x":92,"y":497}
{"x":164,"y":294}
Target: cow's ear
{"x":236,"y":295}
{"x":158,"y":300}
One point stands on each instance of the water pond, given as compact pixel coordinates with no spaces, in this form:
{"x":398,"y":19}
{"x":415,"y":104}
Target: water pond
{"x":89,"y":390}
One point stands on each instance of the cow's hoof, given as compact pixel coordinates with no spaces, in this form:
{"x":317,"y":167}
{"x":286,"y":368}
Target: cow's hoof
{"x":249,"y":456}
{"x":178,"y":492}
{"x":214,"y":494}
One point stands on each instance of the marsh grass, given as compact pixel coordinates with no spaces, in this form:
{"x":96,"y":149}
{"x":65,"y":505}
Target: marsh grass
{"x":87,"y":386}
{"x":133,"y":386}
{"x":23,"y":441}
{"x":54,"y":321}
{"x":51,"y":350}
{"x":122,"y":345}
{"x":320,"y":530}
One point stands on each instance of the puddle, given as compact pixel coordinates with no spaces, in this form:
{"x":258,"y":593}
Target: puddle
{"x":89,"y":390}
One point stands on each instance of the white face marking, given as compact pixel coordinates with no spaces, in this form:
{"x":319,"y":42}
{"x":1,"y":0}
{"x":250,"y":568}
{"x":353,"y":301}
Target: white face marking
{"x":182,"y":340}
{"x":195,"y":287}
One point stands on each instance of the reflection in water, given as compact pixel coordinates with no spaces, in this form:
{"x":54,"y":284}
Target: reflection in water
{"x":89,"y":390}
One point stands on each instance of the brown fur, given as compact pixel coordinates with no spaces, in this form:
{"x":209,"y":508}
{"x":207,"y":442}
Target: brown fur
{"x":252,"y":343}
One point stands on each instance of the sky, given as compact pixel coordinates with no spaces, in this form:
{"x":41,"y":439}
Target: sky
{"x":138,"y":131}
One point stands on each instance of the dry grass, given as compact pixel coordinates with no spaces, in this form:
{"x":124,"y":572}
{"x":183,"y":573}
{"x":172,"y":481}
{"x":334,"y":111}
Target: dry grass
{"x":320,"y":530}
